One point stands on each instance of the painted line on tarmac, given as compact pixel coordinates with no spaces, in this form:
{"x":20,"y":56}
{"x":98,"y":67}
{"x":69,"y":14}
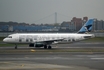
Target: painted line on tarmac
{"x":32,"y":50}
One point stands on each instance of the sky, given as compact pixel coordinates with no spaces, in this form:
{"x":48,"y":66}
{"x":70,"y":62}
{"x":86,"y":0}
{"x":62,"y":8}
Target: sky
{"x":43,"y":11}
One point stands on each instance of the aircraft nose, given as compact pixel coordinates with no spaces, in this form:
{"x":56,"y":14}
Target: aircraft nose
{"x":4,"y":40}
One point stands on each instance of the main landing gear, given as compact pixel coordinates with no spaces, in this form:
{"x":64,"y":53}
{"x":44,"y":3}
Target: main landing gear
{"x":15,"y":46}
{"x":45,"y":47}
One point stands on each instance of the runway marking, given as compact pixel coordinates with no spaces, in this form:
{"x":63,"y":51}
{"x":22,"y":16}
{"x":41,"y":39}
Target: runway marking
{"x":97,"y":58}
{"x":32,"y":50}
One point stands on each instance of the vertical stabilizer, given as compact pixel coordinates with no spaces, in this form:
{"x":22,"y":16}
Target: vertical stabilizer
{"x":87,"y":27}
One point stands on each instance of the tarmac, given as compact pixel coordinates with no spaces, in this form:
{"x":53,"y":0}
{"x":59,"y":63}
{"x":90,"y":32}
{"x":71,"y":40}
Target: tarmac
{"x":30,"y":58}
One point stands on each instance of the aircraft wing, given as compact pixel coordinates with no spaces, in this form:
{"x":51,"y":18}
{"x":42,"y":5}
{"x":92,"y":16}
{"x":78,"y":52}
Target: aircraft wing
{"x":54,"y":40}
{"x":51,"y":41}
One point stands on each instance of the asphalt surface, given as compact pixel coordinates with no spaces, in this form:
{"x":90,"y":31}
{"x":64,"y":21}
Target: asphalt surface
{"x":16,"y":60}
{"x":52,"y":61}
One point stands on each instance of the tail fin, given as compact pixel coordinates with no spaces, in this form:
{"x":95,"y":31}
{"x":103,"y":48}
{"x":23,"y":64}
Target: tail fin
{"x":87,"y":26}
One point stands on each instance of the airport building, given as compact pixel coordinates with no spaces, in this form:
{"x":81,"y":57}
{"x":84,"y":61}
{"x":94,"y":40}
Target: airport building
{"x":67,"y":26}
{"x":74,"y":25}
{"x":98,"y":26}
{"x":23,"y":27}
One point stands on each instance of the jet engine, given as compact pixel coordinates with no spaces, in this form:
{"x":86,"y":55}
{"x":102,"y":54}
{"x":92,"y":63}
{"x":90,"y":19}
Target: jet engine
{"x":31,"y":45}
{"x":39,"y":45}
{"x":36,"y":45}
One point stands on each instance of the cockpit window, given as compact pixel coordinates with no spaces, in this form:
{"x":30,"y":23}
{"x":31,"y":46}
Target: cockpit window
{"x":9,"y":37}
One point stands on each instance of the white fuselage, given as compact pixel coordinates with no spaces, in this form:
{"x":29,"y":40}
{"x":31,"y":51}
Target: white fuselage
{"x":41,"y":37}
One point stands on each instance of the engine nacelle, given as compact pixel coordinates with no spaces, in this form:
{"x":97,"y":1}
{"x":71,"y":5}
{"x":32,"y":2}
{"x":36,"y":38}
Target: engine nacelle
{"x":39,"y":45}
{"x":36,"y":45}
{"x":31,"y":45}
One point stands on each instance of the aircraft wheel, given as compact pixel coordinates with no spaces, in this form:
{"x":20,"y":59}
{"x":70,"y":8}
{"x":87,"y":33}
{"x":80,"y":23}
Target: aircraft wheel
{"x":49,"y":47}
{"x":45,"y":46}
{"x":15,"y":47}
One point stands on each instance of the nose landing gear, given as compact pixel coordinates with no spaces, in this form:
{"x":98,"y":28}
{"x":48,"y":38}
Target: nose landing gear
{"x":15,"y":46}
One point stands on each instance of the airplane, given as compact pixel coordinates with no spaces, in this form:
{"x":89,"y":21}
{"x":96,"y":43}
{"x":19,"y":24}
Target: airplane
{"x":47,"y":39}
